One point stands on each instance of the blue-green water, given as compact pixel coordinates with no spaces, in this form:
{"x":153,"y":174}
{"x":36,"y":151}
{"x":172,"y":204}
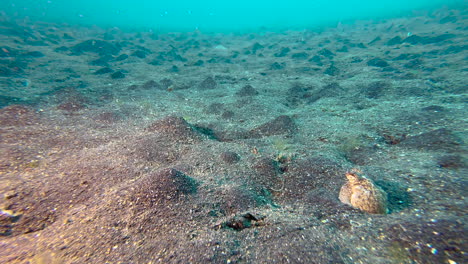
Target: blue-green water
{"x":212,"y":15}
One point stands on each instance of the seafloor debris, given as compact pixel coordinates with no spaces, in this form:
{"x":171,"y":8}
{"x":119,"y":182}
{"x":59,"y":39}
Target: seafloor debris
{"x":362,"y":193}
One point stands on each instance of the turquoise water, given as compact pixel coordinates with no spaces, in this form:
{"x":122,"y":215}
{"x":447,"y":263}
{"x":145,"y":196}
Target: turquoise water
{"x":212,"y":15}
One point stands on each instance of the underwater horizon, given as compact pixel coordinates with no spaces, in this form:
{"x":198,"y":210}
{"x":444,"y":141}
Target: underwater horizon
{"x":214,"y":16}
{"x":242,"y":132}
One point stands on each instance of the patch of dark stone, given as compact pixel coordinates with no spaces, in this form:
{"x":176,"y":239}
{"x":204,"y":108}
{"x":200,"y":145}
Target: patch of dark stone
{"x":247,"y":90}
{"x":316,"y":60}
{"x":156,"y":189}
{"x":332,"y":70}
{"x":326,"y":53}
{"x":300,"y":55}
{"x":394,"y":41}
{"x":166,"y":83}
{"x":330,"y":90}
{"x":157,"y":150}
{"x":283,"y":52}
{"x":267,"y":176}
{"x":375,"y":40}
{"x":298,"y":94}
{"x":229,"y":157}
{"x":170,"y":56}
{"x":121,"y":57}
{"x":454,"y":49}
{"x":176,"y":128}
{"x":342,"y":49}
{"x":407,"y":56}
{"x":17,"y":115}
{"x":282,"y":125}
{"x":96,"y":46}
{"x":103,"y":71}
{"x":107,"y":118}
{"x":152,"y":85}
{"x":414,"y":64}
{"x":215,"y":108}
{"x":256,"y":46}
{"x":102,"y":61}
{"x":32,"y":55}
{"x":117,"y":75}
{"x":376,"y":90}
{"x":415,"y":39}
{"x":445,"y":237}
{"x":378,"y":62}
{"x":451,"y":162}
{"x":277,"y":66}
{"x":448,"y":19}
{"x":441,"y":139}
{"x":139,"y":54}
{"x":208,"y":84}
{"x":173,"y":69}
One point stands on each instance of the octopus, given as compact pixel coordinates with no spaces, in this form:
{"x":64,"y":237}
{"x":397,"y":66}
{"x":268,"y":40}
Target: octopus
{"x":362,"y":193}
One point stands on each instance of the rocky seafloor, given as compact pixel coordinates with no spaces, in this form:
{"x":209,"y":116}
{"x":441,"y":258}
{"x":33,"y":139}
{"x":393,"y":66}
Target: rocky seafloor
{"x":124,"y":147}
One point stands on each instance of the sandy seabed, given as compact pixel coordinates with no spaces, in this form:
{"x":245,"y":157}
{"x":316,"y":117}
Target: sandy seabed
{"x":124,"y":147}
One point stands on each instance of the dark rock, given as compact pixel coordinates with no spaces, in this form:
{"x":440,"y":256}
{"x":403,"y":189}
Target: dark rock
{"x":230,"y":157}
{"x":278,"y":126}
{"x":361,"y":46}
{"x":208,"y":83}
{"x":166,"y":83}
{"x":414,"y":64}
{"x":247,"y":90}
{"x":377,"y":39}
{"x":343,"y":49}
{"x":156,"y":189}
{"x":326,"y":53}
{"x":356,"y":59}
{"x":283,"y":52}
{"x":175,"y":128}
{"x":433,"y":109}
{"x":102,"y":61}
{"x":267,"y":175}
{"x":17,"y":115}
{"x":406,"y":56}
{"x":32,"y":54}
{"x":139,"y":54}
{"x":377,"y":62}
{"x":72,"y":105}
{"x":376,"y":90}
{"x":332,"y":70}
{"x":451,"y":162}
{"x":151,"y":85}
{"x":173,"y":69}
{"x":61,"y":49}
{"x":415,"y":39}
{"x":117,"y":75}
{"x":121,"y":57}
{"x":448,"y":19}
{"x":199,"y":63}
{"x":103,"y":71}
{"x":256,"y":46}
{"x":317,"y":60}
{"x":300,"y":55}
{"x":297,"y":94}
{"x":97,"y":46}
{"x":227,"y":114}
{"x":439,"y":140}
{"x":394,"y":41}
{"x":277,"y":66}
{"x":454,"y":49}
